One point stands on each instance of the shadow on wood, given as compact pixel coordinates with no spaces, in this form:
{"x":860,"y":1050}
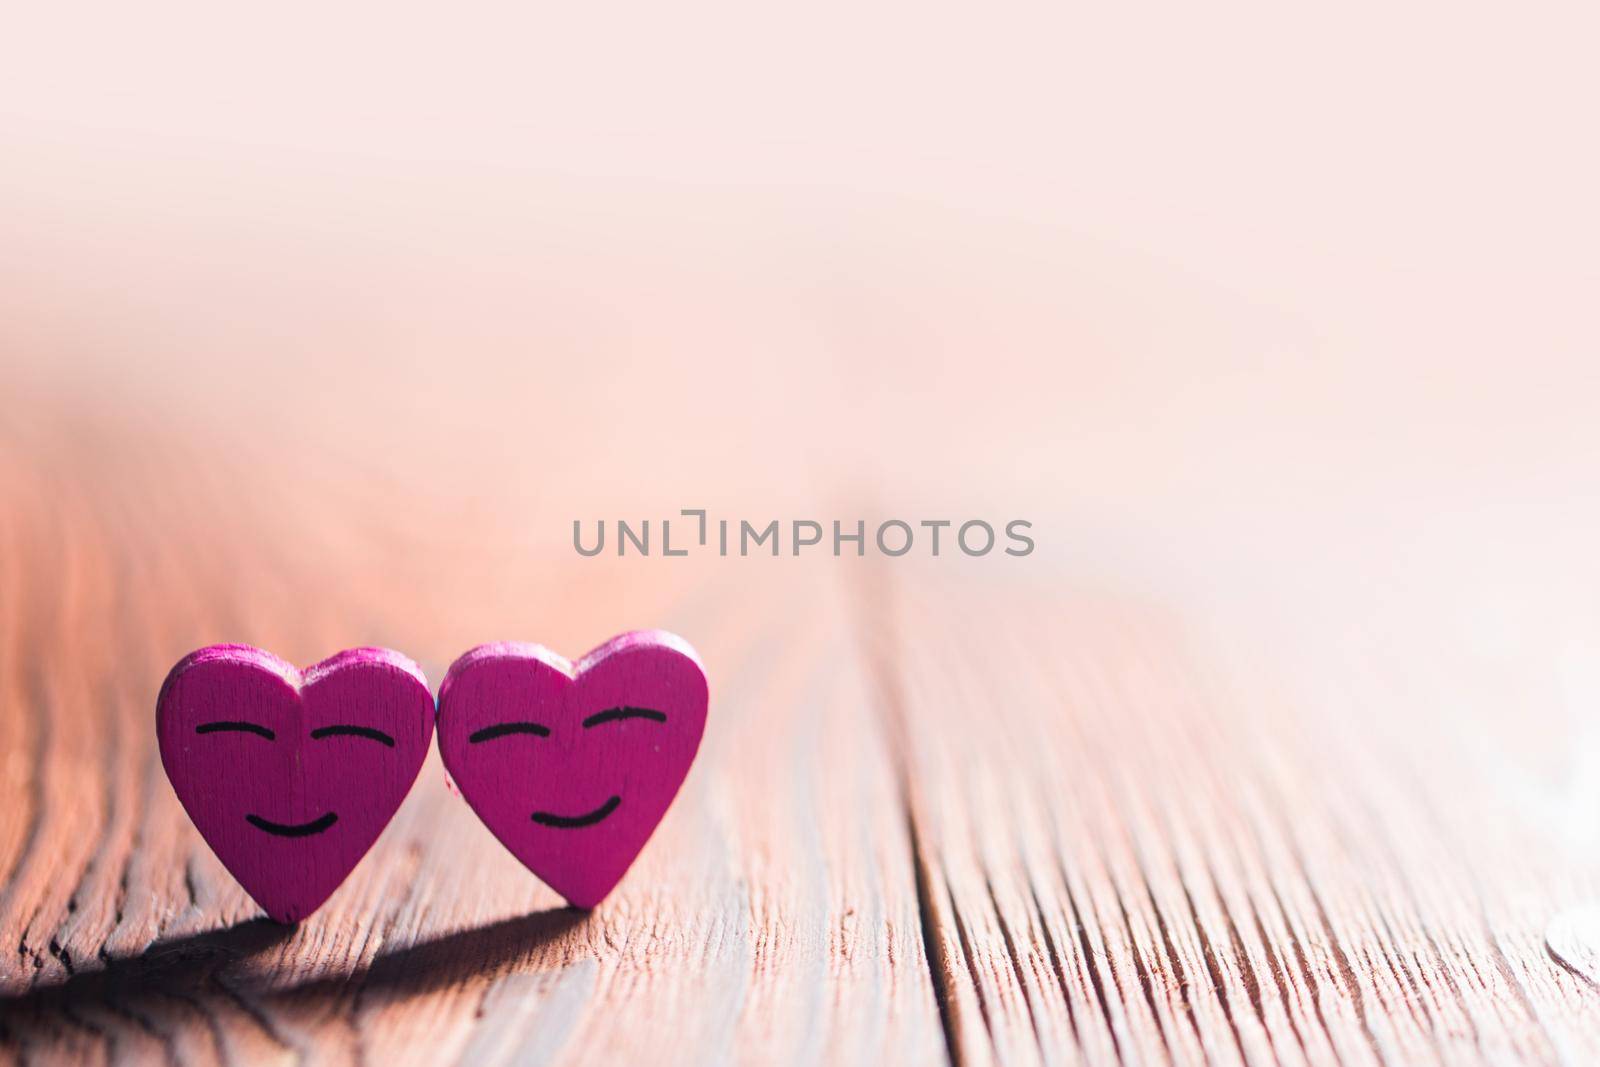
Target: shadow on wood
{"x":215,"y":967}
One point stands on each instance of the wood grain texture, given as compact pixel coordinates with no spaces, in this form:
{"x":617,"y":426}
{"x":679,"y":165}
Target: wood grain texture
{"x":943,"y":811}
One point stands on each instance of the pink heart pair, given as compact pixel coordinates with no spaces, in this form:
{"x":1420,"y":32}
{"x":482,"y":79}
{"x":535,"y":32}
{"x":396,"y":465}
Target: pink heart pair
{"x":290,"y":775}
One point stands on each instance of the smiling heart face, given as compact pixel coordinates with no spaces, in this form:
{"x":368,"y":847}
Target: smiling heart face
{"x":290,"y":777}
{"x":572,"y":768}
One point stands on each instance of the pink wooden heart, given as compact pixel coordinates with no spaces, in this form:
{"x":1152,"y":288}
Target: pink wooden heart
{"x":290,"y":776}
{"x":572,"y":768}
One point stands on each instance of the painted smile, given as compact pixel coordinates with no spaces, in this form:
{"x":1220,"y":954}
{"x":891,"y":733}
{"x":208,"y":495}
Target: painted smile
{"x":305,"y":829}
{"x":574,"y":822}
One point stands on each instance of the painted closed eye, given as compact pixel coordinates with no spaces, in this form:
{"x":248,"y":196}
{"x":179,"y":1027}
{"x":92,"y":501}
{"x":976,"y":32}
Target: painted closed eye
{"x":615,"y":714}
{"x":352,"y":731}
{"x":502,"y":729}
{"x":236,"y":727}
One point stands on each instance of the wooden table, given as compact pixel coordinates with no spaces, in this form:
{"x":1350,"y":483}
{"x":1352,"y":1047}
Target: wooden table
{"x":1250,"y":766}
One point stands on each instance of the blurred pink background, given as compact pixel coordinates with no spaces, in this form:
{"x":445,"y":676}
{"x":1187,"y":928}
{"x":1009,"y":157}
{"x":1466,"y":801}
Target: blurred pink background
{"x":1219,"y":291}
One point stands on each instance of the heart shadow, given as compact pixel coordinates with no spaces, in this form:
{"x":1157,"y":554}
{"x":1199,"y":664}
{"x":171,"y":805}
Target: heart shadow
{"x":215,"y":966}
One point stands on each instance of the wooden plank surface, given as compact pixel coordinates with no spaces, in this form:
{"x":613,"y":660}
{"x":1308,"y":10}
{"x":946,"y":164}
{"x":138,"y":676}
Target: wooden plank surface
{"x":774,"y":913}
{"x":942,"y":812}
